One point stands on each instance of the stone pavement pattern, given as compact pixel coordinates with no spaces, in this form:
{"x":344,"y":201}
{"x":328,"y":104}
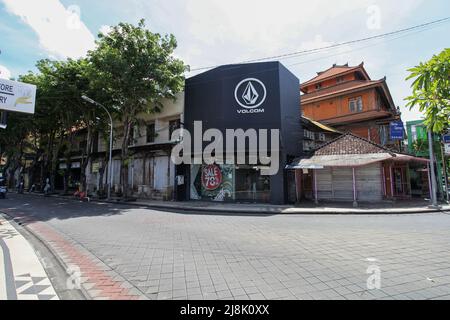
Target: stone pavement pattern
{"x":22,"y":276}
{"x":188,"y":256}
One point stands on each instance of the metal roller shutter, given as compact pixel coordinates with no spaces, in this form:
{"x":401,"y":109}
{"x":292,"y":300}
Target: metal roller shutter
{"x":324,"y":184}
{"x":343,"y":183}
{"x":337,"y":183}
{"x":369,"y":183}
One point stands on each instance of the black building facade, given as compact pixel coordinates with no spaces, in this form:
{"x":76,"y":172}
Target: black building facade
{"x":259,"y":96}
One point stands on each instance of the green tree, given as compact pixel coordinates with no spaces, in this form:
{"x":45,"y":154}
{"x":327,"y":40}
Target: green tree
{"x":74,"y":79}
{"x":55,"y":117}
{"x":135,"y":68}
{"x":60,"y":115}
{"x":431,"y":90}
{"x":14,"y":144}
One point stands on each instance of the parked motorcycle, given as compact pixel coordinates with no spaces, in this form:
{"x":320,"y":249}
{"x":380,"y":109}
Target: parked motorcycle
{"x":21,"y":187}
{"x":3,"y":188}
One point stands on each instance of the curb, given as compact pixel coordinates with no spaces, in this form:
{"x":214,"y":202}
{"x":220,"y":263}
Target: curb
{"x":219,"y":210}
{"x":90,"y":284}
{"x":47,"y":246}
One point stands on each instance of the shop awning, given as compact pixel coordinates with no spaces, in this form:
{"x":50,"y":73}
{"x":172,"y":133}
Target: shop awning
{"x":350,"y":160}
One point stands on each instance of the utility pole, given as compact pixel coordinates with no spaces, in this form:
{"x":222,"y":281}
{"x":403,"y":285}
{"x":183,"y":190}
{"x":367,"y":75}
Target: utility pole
{"x":432,"y":172}
{"x":444,"y":167}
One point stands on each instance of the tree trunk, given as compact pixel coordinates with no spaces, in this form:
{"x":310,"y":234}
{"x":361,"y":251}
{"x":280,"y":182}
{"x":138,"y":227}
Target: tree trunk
{"x":85,"y":158}
{"x":125,"y":156}
{"x":101,"y":173}
{"x":42,"y":177}
{"x":32,"y":169}
{"x":67,"y":177}
{"x":47,"y":161}
{"x":54,"y":162}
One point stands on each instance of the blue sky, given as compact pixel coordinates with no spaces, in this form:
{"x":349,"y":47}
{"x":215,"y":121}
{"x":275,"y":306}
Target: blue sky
{"x":217,"y":32}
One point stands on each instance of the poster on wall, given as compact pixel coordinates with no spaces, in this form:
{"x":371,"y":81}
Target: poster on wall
{"x":212,"y":182}
{"x":211,"y":177}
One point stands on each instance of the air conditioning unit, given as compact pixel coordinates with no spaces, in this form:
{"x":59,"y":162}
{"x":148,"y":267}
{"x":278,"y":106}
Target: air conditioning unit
{"x":322,"y":137}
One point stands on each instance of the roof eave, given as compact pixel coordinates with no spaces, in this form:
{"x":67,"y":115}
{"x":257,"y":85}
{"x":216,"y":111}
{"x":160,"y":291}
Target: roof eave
{"x":360,"y":67}
{"x":349,"y":90}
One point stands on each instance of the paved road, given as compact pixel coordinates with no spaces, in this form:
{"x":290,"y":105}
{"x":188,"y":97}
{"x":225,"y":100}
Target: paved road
{"x":163,"y":255}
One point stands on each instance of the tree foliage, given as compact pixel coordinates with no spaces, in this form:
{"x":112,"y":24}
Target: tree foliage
{"x":135,"y":69}
{"x":431,"y":90}
{"x":129,"y":72}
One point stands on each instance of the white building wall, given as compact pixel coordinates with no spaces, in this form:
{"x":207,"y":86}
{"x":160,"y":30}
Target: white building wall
{"x":147,"y":174}
{"x":171,"y":110}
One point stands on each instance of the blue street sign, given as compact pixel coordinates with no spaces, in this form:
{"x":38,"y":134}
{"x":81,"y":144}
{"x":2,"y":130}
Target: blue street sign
{"x":396,"y":129}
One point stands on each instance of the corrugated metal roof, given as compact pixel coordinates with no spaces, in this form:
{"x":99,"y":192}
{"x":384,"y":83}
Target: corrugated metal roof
{"x":350,"y":160}
{"x":349,"y":150}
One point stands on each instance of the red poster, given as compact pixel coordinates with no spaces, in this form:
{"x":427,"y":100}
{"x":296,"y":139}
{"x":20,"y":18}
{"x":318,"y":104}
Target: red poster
{"x":211,"y":177}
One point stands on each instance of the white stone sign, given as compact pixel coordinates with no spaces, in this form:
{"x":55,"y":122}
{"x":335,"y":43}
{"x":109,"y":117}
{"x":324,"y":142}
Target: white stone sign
{"x":17,"y":96}
{"x":446,"y":140}
{"x":447,"y":149}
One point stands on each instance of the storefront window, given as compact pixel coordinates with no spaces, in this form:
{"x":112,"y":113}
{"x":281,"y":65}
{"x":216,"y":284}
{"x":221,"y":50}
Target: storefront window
{"x":251,"y":185}
{"x":228,"y":182}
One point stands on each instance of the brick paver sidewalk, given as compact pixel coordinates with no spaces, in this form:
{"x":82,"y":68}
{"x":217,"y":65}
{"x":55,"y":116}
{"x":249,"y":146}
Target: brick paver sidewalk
{"x":22,"y":276}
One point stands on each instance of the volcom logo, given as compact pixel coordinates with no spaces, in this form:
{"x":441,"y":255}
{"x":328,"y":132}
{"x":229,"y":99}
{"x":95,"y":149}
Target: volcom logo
{"x":250,"y":94}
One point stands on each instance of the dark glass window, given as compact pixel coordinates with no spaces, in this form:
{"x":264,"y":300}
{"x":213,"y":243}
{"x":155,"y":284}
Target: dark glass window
{"x":173,"y":125}
{"x":83,"y":145}
{"x":151,"y":133}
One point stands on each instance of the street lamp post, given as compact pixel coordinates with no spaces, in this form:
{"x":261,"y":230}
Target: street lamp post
{"x":87,"y":99}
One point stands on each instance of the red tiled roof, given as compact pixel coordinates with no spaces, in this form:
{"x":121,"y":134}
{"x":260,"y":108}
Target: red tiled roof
{"x":334,"y":71}
{"x":340,"y":88}
{"x":349,"y":144}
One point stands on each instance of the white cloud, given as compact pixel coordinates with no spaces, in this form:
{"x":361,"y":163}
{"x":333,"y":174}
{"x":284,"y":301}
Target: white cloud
{"x":60,"y":30}
{"x":217,"y":32}
{"x":105,"y":29}
{"x":4,"y":72}
{"x":255,"y":28}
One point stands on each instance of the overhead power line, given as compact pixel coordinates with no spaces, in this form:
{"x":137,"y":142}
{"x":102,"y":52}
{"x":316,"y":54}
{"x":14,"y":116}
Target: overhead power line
{"x":315,"y":50}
